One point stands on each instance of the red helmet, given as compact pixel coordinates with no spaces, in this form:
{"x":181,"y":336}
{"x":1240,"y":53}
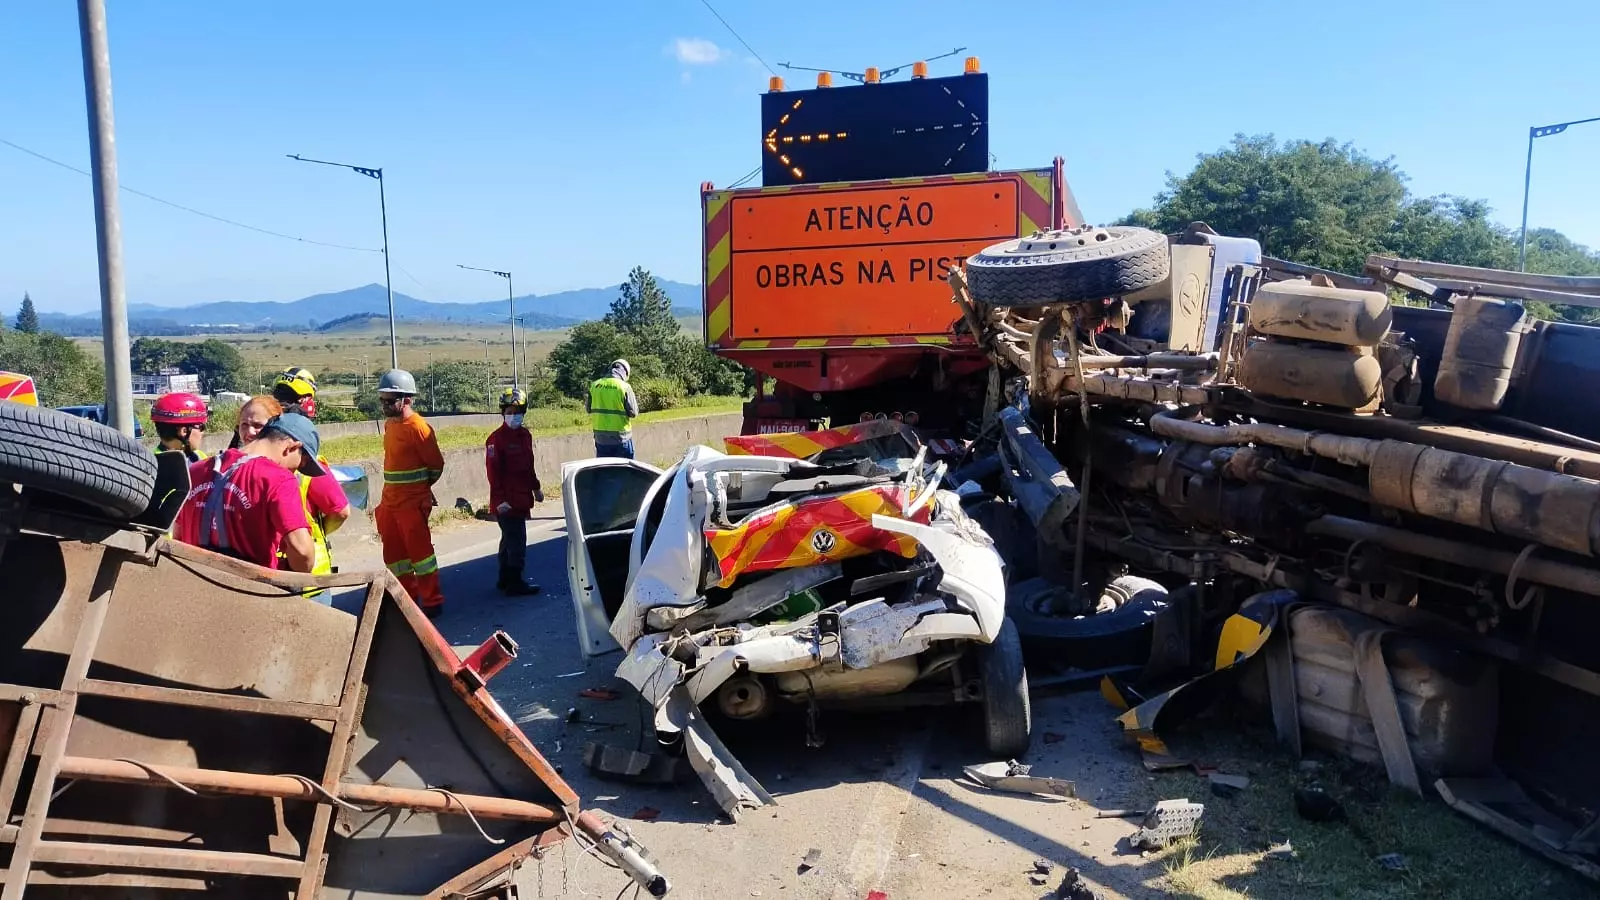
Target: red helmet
{"x":179,"y":409}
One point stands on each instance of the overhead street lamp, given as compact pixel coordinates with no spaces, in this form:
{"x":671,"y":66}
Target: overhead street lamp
{"x":383,"y":209}
{"x":1537,"y":131}
{"x":516,"y":381}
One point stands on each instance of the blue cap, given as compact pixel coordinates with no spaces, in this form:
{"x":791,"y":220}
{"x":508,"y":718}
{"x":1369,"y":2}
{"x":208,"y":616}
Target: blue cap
{"x":299,"y":428}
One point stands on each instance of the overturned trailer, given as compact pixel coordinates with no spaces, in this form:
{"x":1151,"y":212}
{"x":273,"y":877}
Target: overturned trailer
{"x":1433,"y":467}
{"x":175,"y":721}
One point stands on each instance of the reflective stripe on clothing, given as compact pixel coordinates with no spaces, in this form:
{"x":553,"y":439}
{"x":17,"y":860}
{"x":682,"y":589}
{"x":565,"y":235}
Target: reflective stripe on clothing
{"x":426,"y":566}
{"x":407,"y":476}
{"x":401,"y":567}
{"x":608,"y":404}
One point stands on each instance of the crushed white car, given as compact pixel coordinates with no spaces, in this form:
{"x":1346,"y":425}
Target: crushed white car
{"x":751,"y":581}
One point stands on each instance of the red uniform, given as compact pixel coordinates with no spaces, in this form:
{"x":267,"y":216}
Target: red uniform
{"x":411,"y":464}
{"x":261,"y":505}
{"x":508,"y":455}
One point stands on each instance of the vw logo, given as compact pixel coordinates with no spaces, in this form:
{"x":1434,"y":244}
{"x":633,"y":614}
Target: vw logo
{"x":823,"y":541}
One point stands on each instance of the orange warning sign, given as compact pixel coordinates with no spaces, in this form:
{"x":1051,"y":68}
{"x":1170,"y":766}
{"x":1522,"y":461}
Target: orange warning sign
{"x":869,"y":260}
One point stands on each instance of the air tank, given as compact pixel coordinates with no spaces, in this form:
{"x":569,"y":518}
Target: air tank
{"x":1480,"y":350}
{"x":1304,"y":310}
{"x":1348,"y":379}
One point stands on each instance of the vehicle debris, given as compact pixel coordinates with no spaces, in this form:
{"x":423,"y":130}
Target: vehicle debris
{"x":646,"y":814}
{"x":1166,"y":822}
{"x":625,"y":764}
{"x":598,"y":694}
{"x":1282,"y":852}
{"x":1394,"y":862}
{"x":1227,"y":785}
{"x":809,"y":862}
{"x":851,"y":579}
{"x":1015,"y":778}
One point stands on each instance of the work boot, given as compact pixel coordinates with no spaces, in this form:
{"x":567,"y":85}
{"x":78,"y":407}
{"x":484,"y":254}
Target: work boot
{"x":434,"y":611}
{"x":512,"y":585}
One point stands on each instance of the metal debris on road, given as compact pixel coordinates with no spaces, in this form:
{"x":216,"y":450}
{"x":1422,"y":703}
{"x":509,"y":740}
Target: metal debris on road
{"x":1166,"y":822}
{"x":809,"y":861}
{"x":1015,"y":777}
{"x":599,"y":694}
{"x":573,"y":715}
{"x":1227,"y":785}
{"x":624,"y":764}
{"x":571,"y":674}
{"x":646,"y":814}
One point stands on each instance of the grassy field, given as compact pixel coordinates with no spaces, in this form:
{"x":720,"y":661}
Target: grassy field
{"x":342,"y":355}
{"x":539,"y":421}
{"x":1442,"y":853}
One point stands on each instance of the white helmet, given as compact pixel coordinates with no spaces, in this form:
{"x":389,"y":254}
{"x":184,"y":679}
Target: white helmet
{"x":622,"y":369}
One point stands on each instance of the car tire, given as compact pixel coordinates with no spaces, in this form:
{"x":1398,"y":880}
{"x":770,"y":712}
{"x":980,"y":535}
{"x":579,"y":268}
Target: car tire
{"x":56,"y":453}
{"x":1007,"y":712}
{"x":1120,"y":637}
{"x":1067,"y":266}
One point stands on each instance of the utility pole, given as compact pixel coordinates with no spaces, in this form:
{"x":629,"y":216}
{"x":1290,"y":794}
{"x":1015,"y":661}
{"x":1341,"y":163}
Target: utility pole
{"x":383,"y":211}
{"x":1537,"y":131}
{"x":511,"y":300}
{"x":107,"y":217}
{"x":490,"y":367}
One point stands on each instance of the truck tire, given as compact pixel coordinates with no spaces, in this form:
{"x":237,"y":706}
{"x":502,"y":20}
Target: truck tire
{"x":1007,"y":713}
{"x":1065,"y":266}
{"x":56,"y":453}
{"x":1120,"y":637}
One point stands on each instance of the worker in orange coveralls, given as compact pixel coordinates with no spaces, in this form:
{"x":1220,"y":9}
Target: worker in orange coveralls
{"x":513,"y":489}
{"x":411,"y":464}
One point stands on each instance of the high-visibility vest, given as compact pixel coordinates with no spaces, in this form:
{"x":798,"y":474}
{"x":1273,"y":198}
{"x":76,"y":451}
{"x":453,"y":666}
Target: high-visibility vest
{"x":608,"y":404}
{"x":322,"y":561}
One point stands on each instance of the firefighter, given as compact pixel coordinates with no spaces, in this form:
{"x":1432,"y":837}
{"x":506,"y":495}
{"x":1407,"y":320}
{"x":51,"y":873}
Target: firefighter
{"x":513,"y":489}
{"x":611,"y":405}
{"x":244,"y":502}
{"x":296,"y":389}
{"x":411,"y":464}
{"x":180,"y":421}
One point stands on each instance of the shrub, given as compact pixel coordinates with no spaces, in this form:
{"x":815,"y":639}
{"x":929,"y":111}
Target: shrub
{"x":656,"y":394}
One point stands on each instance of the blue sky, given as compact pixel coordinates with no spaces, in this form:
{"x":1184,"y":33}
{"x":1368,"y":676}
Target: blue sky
{"x":567,"y":141}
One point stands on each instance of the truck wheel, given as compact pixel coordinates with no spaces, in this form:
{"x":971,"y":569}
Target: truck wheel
{"x":1062,"y":266}
{"x":56,"y":453}
{"x":1119,"y":637}
{"x":1007,"y":715}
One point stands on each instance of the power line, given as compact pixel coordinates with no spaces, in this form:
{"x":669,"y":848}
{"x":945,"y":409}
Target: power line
{"x":753,"y":173}
{"x":707,"y":5}
{"x":188,"y":209}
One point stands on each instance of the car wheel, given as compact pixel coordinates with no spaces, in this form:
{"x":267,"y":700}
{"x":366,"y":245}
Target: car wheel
{"x":1063,"y":266}
{"x":1114,"y":638}
{"x":56,"y":453}
{"x":1007,"y":714}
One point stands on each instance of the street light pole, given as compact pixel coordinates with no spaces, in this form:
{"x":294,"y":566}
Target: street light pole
{"x":1537,"y":131}
{"x":107,"y":217}
{"x":511,"y":300}
{"x":383,"y":210}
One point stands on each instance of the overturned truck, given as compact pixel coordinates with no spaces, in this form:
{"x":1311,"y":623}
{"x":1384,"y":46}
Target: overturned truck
{"x":1427,"y":470}
{"x":175,"y":721}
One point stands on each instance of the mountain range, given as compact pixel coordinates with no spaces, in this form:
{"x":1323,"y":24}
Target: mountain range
{"x":308,"y":313}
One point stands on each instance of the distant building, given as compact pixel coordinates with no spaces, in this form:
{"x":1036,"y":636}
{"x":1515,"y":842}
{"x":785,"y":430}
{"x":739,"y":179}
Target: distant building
{"x":166,"y":381}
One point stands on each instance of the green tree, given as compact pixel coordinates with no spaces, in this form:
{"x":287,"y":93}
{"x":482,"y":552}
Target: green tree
{"x":63,"y":372}
{"x":452,"y":385}
{"x":1450,"y":230}
{"x":1326,"y":203}
{"x":643,"y":311}
{"x":587,"y":353}
{"x":27,"y":316}
{"x":700,"y":370}
{"x":152,"y":354}
{"x":218,"y":364}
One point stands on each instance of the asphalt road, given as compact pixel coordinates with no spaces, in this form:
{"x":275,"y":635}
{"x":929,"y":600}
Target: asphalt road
{"x":884,"y":799}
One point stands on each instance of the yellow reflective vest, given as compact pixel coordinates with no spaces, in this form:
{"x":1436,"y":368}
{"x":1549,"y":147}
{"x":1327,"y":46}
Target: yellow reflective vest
{"x":608,"y":404}
{"x":322,"y":563}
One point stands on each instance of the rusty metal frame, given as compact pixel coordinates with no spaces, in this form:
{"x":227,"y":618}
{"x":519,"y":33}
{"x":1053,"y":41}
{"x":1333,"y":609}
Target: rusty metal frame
{"x":46,"y":718}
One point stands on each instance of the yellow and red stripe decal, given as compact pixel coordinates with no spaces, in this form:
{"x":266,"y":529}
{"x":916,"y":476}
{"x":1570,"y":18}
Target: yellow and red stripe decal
{"x":1035,"y":198}
{"x":18,"y":388}
{"x":812,"y":532}
{"x":805,"y":444}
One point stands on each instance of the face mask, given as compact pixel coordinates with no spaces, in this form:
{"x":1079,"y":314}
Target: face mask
{"x":513,"y":420}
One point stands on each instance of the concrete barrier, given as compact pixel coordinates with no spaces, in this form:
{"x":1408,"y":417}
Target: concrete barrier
{"x":465,"y":478}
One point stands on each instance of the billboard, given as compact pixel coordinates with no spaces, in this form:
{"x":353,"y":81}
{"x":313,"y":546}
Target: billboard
{"x":898,"y":129}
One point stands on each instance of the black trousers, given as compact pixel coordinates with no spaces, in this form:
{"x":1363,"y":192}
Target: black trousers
{"x":513,"y":542}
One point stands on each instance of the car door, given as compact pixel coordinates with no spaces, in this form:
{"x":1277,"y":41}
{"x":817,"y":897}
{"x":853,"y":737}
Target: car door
{"x":603,"y":500}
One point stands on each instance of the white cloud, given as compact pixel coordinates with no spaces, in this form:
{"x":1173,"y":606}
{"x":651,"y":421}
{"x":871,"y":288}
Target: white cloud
{"x":697,"y":51}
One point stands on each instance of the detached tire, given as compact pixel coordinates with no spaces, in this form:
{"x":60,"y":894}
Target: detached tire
{"x":56,"y":453}
{"x":1120,"y":637}
{"x":1065,"y":266}
{"x":1007,"y":713}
